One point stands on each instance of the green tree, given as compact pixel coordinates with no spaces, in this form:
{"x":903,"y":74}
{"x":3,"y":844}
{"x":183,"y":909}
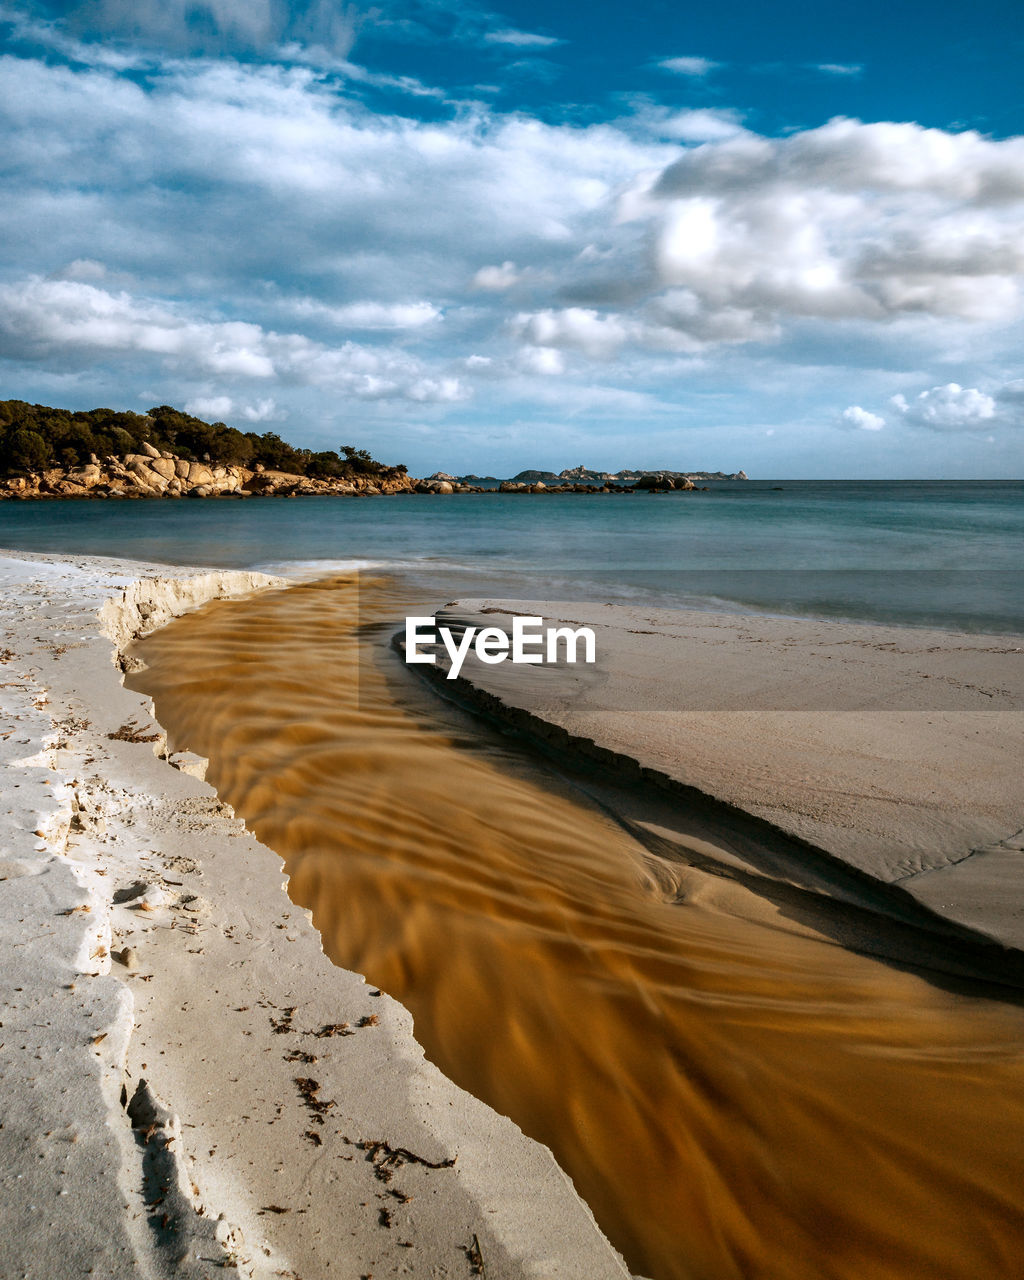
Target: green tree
{"x":24,"y":450}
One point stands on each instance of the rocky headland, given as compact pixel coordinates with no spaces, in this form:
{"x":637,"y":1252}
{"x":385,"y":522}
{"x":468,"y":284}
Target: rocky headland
{"x":156,"y":473}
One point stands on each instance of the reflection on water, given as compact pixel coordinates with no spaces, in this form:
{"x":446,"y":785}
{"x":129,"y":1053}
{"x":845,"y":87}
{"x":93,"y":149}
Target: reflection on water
{"x":733,"y":1094}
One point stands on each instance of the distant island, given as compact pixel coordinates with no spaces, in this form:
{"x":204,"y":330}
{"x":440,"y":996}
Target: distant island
{"x":583,"y":475}
{"x":165,"y":453}
{"x":584,"y":479}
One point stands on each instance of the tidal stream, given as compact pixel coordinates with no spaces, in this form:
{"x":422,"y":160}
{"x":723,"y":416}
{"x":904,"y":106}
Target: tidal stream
{"x":736,"y":1095}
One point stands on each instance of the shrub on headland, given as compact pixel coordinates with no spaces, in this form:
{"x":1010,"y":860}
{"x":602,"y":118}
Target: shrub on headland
{"x":34,"y":437}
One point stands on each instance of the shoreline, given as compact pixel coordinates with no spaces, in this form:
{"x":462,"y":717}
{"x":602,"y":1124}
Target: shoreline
{"x":151,"y":940}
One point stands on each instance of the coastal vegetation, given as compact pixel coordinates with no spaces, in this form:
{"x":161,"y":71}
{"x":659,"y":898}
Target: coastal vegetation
{"x":35,"y":437}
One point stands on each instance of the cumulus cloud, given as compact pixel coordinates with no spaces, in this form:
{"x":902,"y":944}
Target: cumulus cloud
{"x":585,"y":330}
{"x":48,"y":320}
{"x":496,"y":279}
{"x":491,"y":245}
{"x":689,"y":66}
{"x":948,"y":408}
{"x":848,"y":221}
{"x":260,"y":411}
{"x":218,"y":408}
{"x":213,"y":408}
{"x":860,"y":419}
{"x":87,"y":269}
{"x":543,"y":360}
{"x":847,"y":156}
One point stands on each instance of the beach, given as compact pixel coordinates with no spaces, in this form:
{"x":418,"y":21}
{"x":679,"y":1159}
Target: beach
{"x":190,"y":1086}
{"x":692,"y":1006}
{"x":511,"y":642}
{"x":740,"y":893}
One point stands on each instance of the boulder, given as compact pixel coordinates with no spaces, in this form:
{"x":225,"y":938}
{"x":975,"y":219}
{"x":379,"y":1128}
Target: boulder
{"x":87,"y":477}
{"x":181,"y":468}
{"x":163,"y":467}
{"x":149,"y":450}
{"x":199,"y":474}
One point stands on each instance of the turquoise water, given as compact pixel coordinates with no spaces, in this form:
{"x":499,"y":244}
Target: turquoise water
{"x":913,"y":552}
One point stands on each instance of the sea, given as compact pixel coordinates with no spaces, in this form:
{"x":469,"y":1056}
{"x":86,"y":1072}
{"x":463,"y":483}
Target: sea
{"x":927,"y":553}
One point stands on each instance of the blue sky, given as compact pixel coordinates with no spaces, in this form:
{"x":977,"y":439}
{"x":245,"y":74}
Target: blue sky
{"x":788,"y":240}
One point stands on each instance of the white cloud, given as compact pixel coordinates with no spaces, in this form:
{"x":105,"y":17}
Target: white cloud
{"x":949,"y":408}
{"x":542,"y":360}
{"x":840,"y":68}
{"x":861,"y":419}
{"x":849,"y":221}
{"x":213,"y":408}
{"x":216,"y":408}
{"x":437,"y":390}
{"x":689,"y":66}
{"x":264,"y":193}
{"x":730,"y":241}
{"x":701,"y":125}
{"x":86,"y":269}
{"x":260,"y":411}
{"x":521,"y":39}
{"x":496,"y":279}
{"x":368,"y":315}
{"x":586,"y":330}
{"x":43,"y":320}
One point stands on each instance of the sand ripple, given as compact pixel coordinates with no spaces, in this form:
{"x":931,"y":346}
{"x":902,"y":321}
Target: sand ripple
{"x":735,"y":1095}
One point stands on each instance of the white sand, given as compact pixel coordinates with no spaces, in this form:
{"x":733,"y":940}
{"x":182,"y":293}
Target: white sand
{"x":898,"y":752}
{"x":214,"y":998}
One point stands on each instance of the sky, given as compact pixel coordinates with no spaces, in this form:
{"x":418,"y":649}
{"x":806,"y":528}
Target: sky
{"x":785,"y":238}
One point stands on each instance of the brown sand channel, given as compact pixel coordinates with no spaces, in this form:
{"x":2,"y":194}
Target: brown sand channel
{"x":733,"y":1093}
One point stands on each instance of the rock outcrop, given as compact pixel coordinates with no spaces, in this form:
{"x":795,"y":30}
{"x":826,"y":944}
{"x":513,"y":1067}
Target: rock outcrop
{"x":156,"y":474}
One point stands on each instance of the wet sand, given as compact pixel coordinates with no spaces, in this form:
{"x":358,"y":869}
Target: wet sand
{"x":733,"y":1092}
